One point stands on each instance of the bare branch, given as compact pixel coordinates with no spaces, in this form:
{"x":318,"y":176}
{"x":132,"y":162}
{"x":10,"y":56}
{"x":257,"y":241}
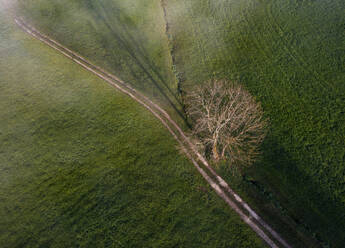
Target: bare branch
{"x":227,"y":118}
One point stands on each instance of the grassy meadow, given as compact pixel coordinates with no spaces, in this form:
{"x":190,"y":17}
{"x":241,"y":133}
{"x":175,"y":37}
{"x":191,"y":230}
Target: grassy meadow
{"x":290,"y":55}
{"x":82,"y":165}
{"x":126,"y":38}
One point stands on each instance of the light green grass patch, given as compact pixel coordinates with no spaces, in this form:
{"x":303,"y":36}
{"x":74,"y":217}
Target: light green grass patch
{"x":125,"y":37}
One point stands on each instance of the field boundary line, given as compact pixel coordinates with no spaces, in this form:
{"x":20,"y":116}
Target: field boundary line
{"x":219,"y":186}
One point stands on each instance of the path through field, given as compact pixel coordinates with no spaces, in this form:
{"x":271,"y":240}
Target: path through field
{"x":271,"y":237}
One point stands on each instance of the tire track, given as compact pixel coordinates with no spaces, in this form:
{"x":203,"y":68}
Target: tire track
{"x":222,"y":189}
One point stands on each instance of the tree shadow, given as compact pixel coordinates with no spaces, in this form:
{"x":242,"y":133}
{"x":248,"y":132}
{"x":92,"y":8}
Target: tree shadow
{"x":110,"y":16}
{"x":289,"y":198}
{"x":298,"y":195}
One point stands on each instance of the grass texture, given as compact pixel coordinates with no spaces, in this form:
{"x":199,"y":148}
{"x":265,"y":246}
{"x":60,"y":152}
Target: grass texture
{"x":82,"y":165}
{"x":126,"y":38}
{"x":290,"y":55}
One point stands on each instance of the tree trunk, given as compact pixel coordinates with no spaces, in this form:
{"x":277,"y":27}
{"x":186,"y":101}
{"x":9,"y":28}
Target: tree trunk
{"x":215,"y":152}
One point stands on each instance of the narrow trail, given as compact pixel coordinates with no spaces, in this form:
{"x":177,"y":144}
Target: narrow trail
{"x":248,"y":215}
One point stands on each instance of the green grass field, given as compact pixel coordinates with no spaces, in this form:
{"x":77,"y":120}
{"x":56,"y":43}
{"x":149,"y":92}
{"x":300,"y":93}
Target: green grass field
{"x":126,"y":38}
{"x":82,"y":165}
{"x":290,"y":55}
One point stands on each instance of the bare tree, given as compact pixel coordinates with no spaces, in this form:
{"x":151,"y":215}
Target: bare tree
{"x":228,"y":120}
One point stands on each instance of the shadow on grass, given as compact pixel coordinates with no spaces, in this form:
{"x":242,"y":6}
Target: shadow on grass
{"x":120,"y":33}
{"x":294,"y":194}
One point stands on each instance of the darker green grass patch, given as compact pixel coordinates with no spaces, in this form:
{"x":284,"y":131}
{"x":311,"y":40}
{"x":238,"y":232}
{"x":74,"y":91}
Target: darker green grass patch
{"x":290,"y":55}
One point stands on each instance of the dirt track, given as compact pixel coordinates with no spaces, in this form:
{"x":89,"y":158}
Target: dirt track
{"x":216,"y":182}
